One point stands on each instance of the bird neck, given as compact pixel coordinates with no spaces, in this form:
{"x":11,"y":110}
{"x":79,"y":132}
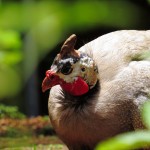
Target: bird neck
{"x":89,"y":70}
{"x":79,"y":102}
{"x":77,"y":88}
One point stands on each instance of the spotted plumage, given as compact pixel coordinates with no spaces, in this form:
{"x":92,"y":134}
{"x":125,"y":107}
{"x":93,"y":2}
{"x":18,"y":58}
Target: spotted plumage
{"x":70,"y":68}
{"x":98,"y":91}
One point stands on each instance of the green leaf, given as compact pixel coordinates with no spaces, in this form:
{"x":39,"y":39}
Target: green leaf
{"x":127,"y":141}
{"x":10,"y":58}
{"x":10,"y":112}
{"x":146,"y":114}
{"x":9,"y":40}
{"x":10,"y":81}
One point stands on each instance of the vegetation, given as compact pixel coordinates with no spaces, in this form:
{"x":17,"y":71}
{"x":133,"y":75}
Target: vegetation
{"x":25,"y":127}
{"x":24,"y":143}
{"x":17,"y":130}
{"x":29,"y":30}
{"x":15,"y":124}
{"x":13,"y":131}
{"x":10,"y":112}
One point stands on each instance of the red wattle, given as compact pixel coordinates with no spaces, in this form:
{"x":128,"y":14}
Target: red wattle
{"x":77,"y":88}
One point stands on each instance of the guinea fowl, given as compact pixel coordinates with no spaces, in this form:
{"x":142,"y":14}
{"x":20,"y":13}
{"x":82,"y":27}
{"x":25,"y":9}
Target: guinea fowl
{"x":97,"y":91}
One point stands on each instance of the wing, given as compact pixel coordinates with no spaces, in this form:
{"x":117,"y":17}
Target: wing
{"x":116,"y":50}
{"x":124,"y":87}
{"x":123,"y":69}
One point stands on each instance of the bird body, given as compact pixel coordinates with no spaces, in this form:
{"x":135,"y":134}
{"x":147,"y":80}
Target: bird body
{"x":112,"y":106}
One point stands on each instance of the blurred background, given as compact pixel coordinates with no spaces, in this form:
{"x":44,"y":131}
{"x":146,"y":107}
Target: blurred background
{"x":32,"y":32}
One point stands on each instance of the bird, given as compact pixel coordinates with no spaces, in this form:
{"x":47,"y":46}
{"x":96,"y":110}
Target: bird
{"x":98,"y":91}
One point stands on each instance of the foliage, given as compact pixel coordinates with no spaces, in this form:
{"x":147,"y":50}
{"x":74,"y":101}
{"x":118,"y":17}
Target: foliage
{"x":29,"y":30}
{"x":131,"y":140}
{"x":30,"y":143}
{"x":25,"y":127}
{"x":146,"y":115}
{"x":15,"y":126}
{"x":27,"y":132}
{"x":50,"y":147}
{"x":10,"y":58}
{"x":10,"y":112}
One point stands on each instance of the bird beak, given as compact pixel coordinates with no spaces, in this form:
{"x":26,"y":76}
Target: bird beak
{"x":50,"y":80}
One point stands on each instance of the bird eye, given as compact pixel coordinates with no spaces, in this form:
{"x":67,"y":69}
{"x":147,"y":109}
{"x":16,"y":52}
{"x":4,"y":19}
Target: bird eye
{"x":66,"y":69}
{"x":83,"y":69}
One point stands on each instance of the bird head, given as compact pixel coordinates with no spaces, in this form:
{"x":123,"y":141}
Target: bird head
{"x":74,"y":71}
